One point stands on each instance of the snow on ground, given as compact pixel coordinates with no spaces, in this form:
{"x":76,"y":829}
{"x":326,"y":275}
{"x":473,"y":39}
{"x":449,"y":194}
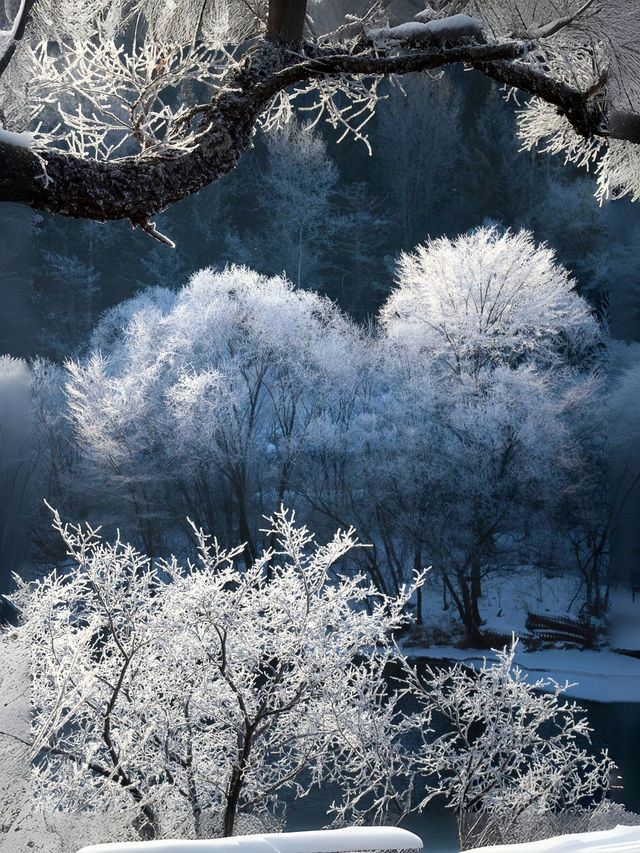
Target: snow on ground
{"x":508,"y":596}
{"x":312,"y":841}
{"x":601,"y":676}
{"x":622,"y":839}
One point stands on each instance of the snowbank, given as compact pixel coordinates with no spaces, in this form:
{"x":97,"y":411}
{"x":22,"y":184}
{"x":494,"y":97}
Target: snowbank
{"x":450,"y":29}
{"x":316,"y":841}
{"x":622,"y":839}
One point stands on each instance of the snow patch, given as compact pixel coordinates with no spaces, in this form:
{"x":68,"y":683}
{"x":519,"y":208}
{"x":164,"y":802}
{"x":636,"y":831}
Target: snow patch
{"x":452,"y":29}
{"x":315,"y":841}
{"x":622,"y":838}
{"x":20,"y":140}
{"x":412,"y":30}
{"x":596,"y":676}
{"x":455,"y":27}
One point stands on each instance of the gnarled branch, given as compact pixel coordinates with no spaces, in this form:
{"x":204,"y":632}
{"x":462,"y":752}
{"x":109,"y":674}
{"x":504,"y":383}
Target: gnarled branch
{"x":138,"y":187}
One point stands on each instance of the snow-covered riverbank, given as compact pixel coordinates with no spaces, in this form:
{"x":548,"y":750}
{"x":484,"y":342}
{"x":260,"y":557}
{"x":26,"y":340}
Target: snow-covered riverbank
{"x":605,"y":675}
{"x":600,"y":676}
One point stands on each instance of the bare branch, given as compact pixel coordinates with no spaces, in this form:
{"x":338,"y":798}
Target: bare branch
{"x":554,"y":27}
{"x":15,"y":33}
{"x":150,"y":228}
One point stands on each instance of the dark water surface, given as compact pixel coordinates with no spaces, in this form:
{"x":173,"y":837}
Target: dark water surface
{"x":616,"y":727}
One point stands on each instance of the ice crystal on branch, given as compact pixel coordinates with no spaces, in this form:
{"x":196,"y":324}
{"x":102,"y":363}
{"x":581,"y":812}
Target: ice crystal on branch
{"x":97,"y":99}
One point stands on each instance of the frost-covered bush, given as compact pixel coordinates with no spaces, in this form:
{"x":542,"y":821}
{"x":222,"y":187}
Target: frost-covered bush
{"x":532,"y":825}
{"x":183,"y":700}
{"x":299,"y":222}
{"x":510,"y":755}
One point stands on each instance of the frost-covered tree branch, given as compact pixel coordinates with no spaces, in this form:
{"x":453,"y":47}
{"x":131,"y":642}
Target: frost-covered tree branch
{"x":110,"y":127}
{"x":512,"y":759}
{"x":185,"y":699}
{"x":9,"y":38}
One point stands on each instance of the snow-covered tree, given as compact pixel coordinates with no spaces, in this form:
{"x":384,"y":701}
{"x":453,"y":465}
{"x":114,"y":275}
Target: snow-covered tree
{"x":501,"y":462}
{"x":466,"y":471}
{"x":490,"y":327}
{"x":487,"y":298}
{"x":440,"y":437}
{"x":117,"y":110}
{"x":198,"y":402}
{"x":583,"y":514}
{"x":187,"y":698}
{"x":294,"y":196}
{"x":510,"y":754}
{"x":622,"y":430}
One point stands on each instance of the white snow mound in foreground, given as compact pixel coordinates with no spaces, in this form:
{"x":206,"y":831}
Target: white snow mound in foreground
{"x":359,"y":838}
{"x":622,"y":839}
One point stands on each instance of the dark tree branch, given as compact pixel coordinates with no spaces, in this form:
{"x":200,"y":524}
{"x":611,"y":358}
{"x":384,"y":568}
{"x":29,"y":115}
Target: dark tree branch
{"x":584,"y":110}
{"x":136,"y":188}
{"x":623,"y":125}
{"x":17,"y":31}
{"x":554,"y":27}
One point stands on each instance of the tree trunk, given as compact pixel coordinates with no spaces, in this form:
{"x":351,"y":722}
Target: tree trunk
{"x":462,"y":601}
{"x":476,"y":589}
{"x":236,"y":781}
{"x":417,"y":567}
{"x":235,"y":786}
{"x":146,"y":824}
{"x":286,"y":20}
{"x":244,"y":530}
